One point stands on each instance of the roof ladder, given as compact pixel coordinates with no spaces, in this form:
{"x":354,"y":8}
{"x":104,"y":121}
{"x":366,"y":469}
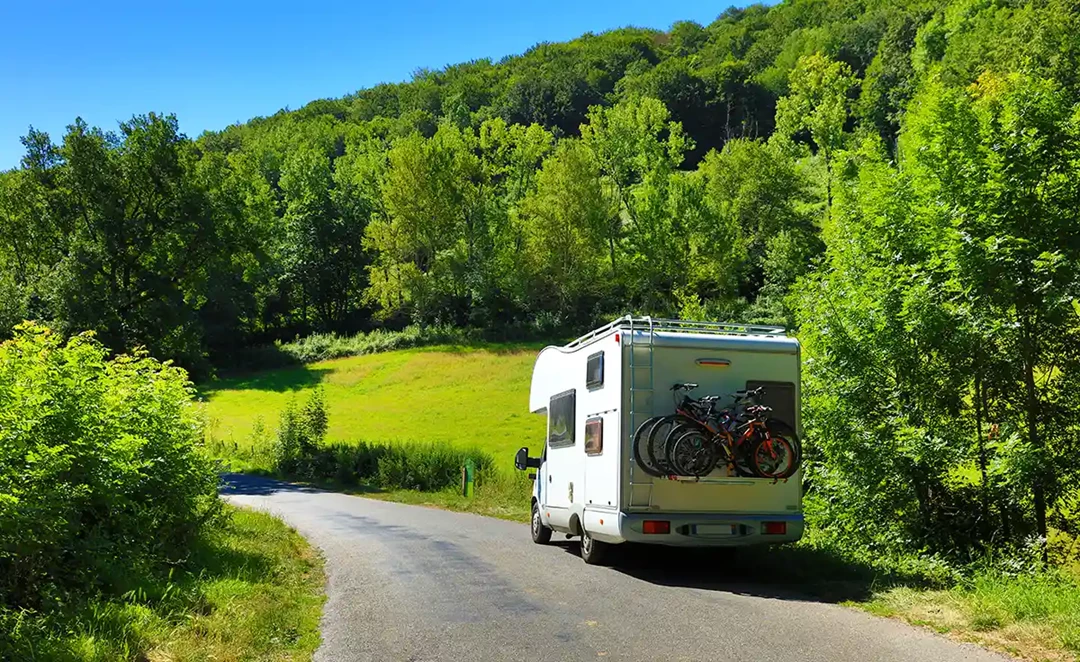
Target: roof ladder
{"x":641,"y":402}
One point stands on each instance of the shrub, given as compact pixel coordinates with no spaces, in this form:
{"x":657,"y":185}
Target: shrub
{"x":100,"y":467}
{"x":427,"y":467}
{"x":322,"y":346}
{"x":300,"y":432}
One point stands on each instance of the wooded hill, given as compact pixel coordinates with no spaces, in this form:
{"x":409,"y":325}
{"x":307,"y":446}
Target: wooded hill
{"x":897,"y":181}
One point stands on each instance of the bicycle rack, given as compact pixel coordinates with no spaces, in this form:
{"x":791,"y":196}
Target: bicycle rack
{"x":641,"y":406}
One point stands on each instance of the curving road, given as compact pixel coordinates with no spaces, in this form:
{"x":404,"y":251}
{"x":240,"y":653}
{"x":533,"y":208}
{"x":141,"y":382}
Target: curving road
{"x":419,"y":584}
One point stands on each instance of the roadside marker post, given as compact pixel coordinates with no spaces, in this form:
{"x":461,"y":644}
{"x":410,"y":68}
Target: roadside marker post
{"x":468,"y":478}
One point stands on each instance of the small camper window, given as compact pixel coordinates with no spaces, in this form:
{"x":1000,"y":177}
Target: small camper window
{"x":561,"y":419}
{"x":594,"y":371}
{"x":594,"y":436}
{"x":780,"y":396}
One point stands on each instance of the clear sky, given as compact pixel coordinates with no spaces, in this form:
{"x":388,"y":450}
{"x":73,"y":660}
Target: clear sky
{"x":213,"y":63}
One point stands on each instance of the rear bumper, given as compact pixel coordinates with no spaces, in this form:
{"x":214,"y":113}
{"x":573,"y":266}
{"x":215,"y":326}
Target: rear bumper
{"x":711,"y":529}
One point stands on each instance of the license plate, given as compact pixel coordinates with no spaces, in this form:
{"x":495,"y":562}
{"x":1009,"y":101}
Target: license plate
{"x":714,"y":529}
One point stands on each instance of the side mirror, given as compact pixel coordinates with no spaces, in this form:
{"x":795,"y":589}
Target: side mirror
{"x":521,"y":460}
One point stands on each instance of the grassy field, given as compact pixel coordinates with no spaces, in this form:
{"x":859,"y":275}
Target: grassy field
{"x":470,"y":397}
{"x":251,"y":591}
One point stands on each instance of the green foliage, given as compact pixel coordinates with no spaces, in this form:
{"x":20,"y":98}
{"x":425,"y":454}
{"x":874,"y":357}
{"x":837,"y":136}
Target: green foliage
{"x":320,"y":347}
{"x":251,"y":588}
{"x":299,"y":434}
{"x":101,"y":470}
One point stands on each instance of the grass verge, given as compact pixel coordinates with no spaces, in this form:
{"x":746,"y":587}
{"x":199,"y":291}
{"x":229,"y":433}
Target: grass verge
{"x":1033,"y":616}
{"x":505,"y":497}
{"x":251,"y":591}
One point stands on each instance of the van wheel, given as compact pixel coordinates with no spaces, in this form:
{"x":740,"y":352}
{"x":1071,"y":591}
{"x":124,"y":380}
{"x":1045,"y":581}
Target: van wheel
{"x":540,"y":533}
{"x":593,"y":551}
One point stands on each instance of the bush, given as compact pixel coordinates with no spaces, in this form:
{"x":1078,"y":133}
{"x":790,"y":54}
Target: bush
{"x":100,"y":467}
{"x":427,"y":467}
{"x":299,"y":434}
{"x":322,"y":346}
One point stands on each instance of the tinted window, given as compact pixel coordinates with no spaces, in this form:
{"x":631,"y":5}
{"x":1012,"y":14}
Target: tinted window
{"x":780,"y":396}
{"x":594,"y":436}
{"x":561,"y":419}
{"x":594,"y":371}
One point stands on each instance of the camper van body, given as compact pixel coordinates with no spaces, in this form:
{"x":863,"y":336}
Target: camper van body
{"x":597,"y":390}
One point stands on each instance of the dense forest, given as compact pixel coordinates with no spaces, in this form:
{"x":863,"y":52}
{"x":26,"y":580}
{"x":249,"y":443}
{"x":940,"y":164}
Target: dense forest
{"x":898,"y":181}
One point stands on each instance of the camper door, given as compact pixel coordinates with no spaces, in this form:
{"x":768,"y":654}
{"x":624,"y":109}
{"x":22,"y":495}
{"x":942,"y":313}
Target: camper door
{"x":561,"y":456}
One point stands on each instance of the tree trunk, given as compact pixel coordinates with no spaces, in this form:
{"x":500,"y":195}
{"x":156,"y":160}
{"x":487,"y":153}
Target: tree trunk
{"x":984,"y":488}
{"x":1031,"y":406}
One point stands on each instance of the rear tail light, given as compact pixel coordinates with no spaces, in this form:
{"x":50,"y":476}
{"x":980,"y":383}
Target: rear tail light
{"x":656,"y":526}
{"x":774,"y":528}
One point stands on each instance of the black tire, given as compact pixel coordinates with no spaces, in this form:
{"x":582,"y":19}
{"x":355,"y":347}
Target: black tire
{"x":659,"y":440}
{"x":773,"y":458}
{"x":641,"y":446}
{"x":593,"y":552}
{"x":541,"y":534}
{"x":669,"y":444}
{"x":694,"y":454}
{"x":779,"y":428}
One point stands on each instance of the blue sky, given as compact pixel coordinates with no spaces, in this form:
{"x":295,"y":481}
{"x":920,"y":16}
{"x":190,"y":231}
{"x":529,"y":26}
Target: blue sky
{"x":216,"y":63}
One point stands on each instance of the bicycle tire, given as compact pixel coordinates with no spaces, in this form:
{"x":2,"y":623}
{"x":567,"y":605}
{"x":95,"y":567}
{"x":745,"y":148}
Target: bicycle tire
{"x":661,"y":443}
{"x":641,"y":451}
{"x":694,"y":454}
{"x":773,"y":458}
{"x":778,"y":428}
{"x":657,"y":447}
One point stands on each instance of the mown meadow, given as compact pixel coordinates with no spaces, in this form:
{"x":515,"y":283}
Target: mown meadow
{"x":469,"y":397}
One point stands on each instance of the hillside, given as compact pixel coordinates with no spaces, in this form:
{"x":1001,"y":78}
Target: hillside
{"x":472,"y":398}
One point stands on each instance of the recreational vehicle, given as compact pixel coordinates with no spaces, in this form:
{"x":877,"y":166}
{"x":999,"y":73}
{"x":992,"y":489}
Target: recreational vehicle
{"x":597,"y":391}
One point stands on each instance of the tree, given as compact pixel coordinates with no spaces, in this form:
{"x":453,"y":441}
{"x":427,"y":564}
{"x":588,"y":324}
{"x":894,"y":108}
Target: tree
{"x":566,"y":224}
{"x":639,"y":150}
{"x":1001,"y":162}
{"x":817,"y":103}
{"x":323,"y":249}
{"x":433,"y":222}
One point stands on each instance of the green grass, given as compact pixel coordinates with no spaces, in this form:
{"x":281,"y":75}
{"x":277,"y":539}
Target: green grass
{"x":505,"y":496}
{"x":1034,"y":616}
{"x":474,"y":398}
{"x":251,"y":591}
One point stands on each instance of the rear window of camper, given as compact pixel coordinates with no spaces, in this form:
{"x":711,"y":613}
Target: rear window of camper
{"x":561,"y":419}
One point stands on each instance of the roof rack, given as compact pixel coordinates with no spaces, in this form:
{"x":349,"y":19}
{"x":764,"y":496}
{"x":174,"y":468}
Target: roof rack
{"x":680,"y":326}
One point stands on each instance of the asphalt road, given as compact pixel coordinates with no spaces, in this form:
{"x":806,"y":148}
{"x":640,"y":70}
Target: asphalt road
{"x":419,"y":584}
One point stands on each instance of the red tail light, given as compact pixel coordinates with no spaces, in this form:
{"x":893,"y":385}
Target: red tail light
{"x":774,"y":528}
{"x":655,"y":526}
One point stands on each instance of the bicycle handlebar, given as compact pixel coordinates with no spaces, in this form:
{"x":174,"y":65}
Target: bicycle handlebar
{"x":684,"y":387}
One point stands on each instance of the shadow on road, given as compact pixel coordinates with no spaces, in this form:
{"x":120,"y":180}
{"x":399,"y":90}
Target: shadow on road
{"x":246,"y":484}
{"x":783,"y":573}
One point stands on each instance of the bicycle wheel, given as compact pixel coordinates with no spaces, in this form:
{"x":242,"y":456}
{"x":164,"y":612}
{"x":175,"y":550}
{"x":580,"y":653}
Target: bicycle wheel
{"x":658,"y":441}
{"x":641,"y":446}
{"x":779,"y":428}
{"x":673,"y":435}
{"x":773,"y":458}
{"x":694,"y":454}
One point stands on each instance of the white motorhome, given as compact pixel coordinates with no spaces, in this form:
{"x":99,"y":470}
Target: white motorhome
{"x":598,"y":389}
